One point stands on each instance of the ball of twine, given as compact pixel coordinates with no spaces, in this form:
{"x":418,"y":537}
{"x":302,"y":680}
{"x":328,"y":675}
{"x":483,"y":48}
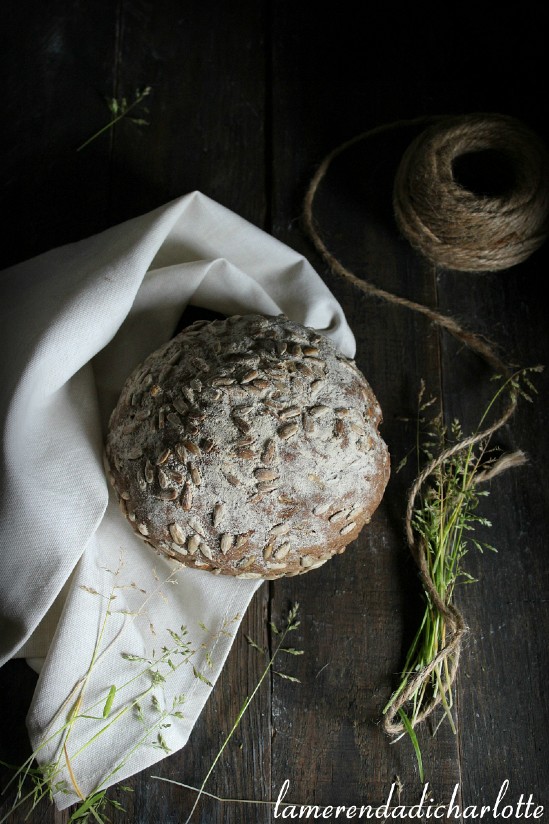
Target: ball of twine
{"x":465,"y":230}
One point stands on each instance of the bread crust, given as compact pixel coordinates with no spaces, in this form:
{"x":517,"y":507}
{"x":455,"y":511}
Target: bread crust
{"x":247,"y":447}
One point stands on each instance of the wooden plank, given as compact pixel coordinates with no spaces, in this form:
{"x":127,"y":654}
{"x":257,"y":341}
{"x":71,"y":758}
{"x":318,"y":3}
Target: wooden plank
{"x":56,"y":79}
{"x":360,"y":610}
{"x":504,"y":709}
{"x":206,"y":133}
{"x":205,"y":64}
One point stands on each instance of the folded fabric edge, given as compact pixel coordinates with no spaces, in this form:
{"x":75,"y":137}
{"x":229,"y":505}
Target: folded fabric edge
{"x":198,"y":695}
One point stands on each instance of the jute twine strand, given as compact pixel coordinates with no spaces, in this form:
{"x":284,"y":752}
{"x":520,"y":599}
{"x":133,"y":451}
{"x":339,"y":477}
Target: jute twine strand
{"x":455,"y":624}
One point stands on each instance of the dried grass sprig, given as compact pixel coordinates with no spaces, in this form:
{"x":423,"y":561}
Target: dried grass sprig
{"x":119,"y":109}
{"x":117,"y":703}
{"x":291,"y":624}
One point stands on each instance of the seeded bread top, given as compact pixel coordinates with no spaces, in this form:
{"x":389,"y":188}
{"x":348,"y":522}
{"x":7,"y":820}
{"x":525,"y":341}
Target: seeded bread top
{"x":248,"y":446}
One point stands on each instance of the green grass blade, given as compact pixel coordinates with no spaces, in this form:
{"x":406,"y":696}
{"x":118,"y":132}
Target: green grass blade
{"x":415,"y":743}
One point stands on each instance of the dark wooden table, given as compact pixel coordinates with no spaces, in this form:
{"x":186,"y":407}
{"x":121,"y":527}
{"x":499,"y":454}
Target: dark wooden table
{"x":246,"y":99}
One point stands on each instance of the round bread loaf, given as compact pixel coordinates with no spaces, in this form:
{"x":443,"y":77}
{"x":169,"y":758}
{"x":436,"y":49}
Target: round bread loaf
{"x":249,"y":447}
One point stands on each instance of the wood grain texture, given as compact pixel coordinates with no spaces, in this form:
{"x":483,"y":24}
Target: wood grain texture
{"x":56,"y":79}
{"x":246,"y":100}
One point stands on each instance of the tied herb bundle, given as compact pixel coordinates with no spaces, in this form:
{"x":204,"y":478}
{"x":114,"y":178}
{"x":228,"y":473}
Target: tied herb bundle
{"x":441,"y":519}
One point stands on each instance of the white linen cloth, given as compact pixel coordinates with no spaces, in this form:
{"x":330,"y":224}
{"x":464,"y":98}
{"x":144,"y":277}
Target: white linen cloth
{"x":74,"y":322}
